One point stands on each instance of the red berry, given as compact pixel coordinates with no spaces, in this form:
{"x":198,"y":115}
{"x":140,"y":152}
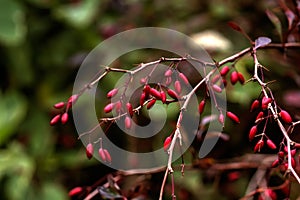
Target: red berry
{"x":167,"y":142}
{"x":172,"y":94}
{"x":112,"y":93}
{"x":241,"y":78}
{"x":275,"y":163}
{"x":142,"y":98}
{"x":177,"y":86}
{"x":254,"y":105}
{"x":293,"y":152}
{"x":64,"y":118}
{"x":107,"y":156}
{"x":217,"y":88}
{"x":127,"y":122}
{"x":252,"y":132}
{"x":89,"y":151}
{"x":258,"y":146}
{"x":163,"y":96}
{"x":59,"y":105}
{"x":201,"y":106}
{"x":71,"y":101}
{"x":55,"y":119}
{"x":215,"y":78}
{"x":183,"y":78}
{"x":265,"y":102}
{"x":129,"y":109}
{"x":155,"y":93}
{"x":259,"y":117}
{"x":168,"y":80}
{"x":233,"y":117}
{"x":108,"y":108}
{"x":224,"y":71}
{"x":271,"y":144}
{"x":293,"y":162}
{"x":102,"y":154}
{"x":168,"y":73}
{"x":234,"y":77}
{"x":147,"y":90}
{"x":151,"y":104}
{"x":285,"y":116}
{"x":75,"y":191}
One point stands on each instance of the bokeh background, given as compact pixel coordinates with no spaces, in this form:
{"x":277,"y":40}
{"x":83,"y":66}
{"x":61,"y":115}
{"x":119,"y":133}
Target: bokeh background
{"x":42,"y":44}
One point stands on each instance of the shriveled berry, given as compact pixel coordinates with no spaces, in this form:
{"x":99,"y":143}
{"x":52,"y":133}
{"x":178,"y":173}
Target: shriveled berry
{"x":167,"y":142}
{"x":234,"y":77}
{"x":112,"y":93}
{"x":64,"y":118}
{"x":224,"y":71}
{"x":89,"y":150}
{"x":254,"y":105}
{"x":271,"y":144}
{"x":109,"y":107}
{"x":55,"y":119}
{"x":127,"y":122}
{"x":59,"y":105}
{"x":285,"y":116}
{"x":172,"y":94}
{"x":177,"y":86}
{"x":252,"y":132}
{"x":259,"y":145}
{"x":183,"y":78}
{"x":201,"y":106}
{"x":75,"y":191}
{"x":233,"y":117}
{"x":129,"y":109}
{"x":151,"y":104}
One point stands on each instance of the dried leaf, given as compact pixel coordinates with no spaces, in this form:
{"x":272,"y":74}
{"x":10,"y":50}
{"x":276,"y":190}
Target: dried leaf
{"x":262,"y":41}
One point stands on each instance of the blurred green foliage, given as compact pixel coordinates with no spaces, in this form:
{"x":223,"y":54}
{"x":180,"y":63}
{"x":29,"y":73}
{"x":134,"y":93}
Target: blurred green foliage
{"x":42,"y":44}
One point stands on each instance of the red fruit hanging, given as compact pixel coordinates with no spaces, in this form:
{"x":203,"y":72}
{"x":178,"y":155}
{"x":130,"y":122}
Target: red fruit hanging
{"x":129,"y":109}
{"x":233,"y":117}
{"x":254,"y":105}
{"x":155,"y":93}
{"x":151,"y":104}
{"x":234,"y":77}
{"x":64,"y":118}
{"x":108,"y":108}
{"x":89,"y":150}
{"x":241,"y":78}
{"x":183,"y":78}
{"x":107,"y":155}
{"x":59,"y":105}
{"x":177,"y":86}
{"x":142,"y":98}
{"x":163,"y":96}
{"x":224,"y":71}
{"x":259,"y":117}
{"x":127,"y":122}
{"x":285,"y":116}
{"x":55,"y":119}
{"x":75,"y":191}
{"x":201,"y":106}
{"x":252,"y":132}
{"x":271,"y":144}
{"x":102,"y":154}
{"x":217,"y":88}
{"x":259,"y":145}
{"x":71,"y":101}
{"x":172,"y":94}
{"x":168,"y":73}
{"x":265,"y":102}
{"x":112,"y":93}
{"x":167,"y":142}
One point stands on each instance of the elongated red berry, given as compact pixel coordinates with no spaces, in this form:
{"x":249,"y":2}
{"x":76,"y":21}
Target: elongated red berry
{"x":224,"y":71}
{"x":107,"y":155}
{"x":271,"y":144}
{"x":252,"y":132}
{"x":221,"y":118}
{"x":233,"y":117}
{"x":155,"y":93}
{"x":129,"y":109}
{"x":201,"y":106}
{"x":147,"y":89}
{"x":172,"y":94}
{"x":285,"y":116}
{"x":127,"y":122}
{"x":142,"y":98}
{"x":259,"y":145}
{"x":234,"y":77}
{"x":177,"y":86}
{"x":217,"y":88}
{"x":254,"y":105}
{"x":75,"y":191}
{"x":102,"y":154}
{"x":163,"y":96}
{"x":151,"y":104}
{"x":55,"y":119}
{"x":183,"y":78}
{"x":89,"y":150}
{"x":167,"y":142}
{"x":64,"y":118}
{"x":108,"y":108}
{"x":275,"y":163}
{"x":259,"y":117}
{"x":168,"y":73}
{"x":241,"y":78}
{"x":168,"y":81}
{"x":71,"y":101}
{"x":293,"y":152}
{"x":215,"y":78}
{"x":112,"y":93}
{"x":59,"y":105}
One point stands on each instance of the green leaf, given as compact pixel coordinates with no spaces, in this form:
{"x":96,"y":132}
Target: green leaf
{"x":12,"y":24}
{"x":13,"y":108}
{"x":79,"y":14}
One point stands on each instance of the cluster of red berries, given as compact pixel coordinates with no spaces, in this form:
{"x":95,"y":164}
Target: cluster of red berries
{"x":282,"y":159}
{"x":103,"y":153}
{"x":63,"y":117}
